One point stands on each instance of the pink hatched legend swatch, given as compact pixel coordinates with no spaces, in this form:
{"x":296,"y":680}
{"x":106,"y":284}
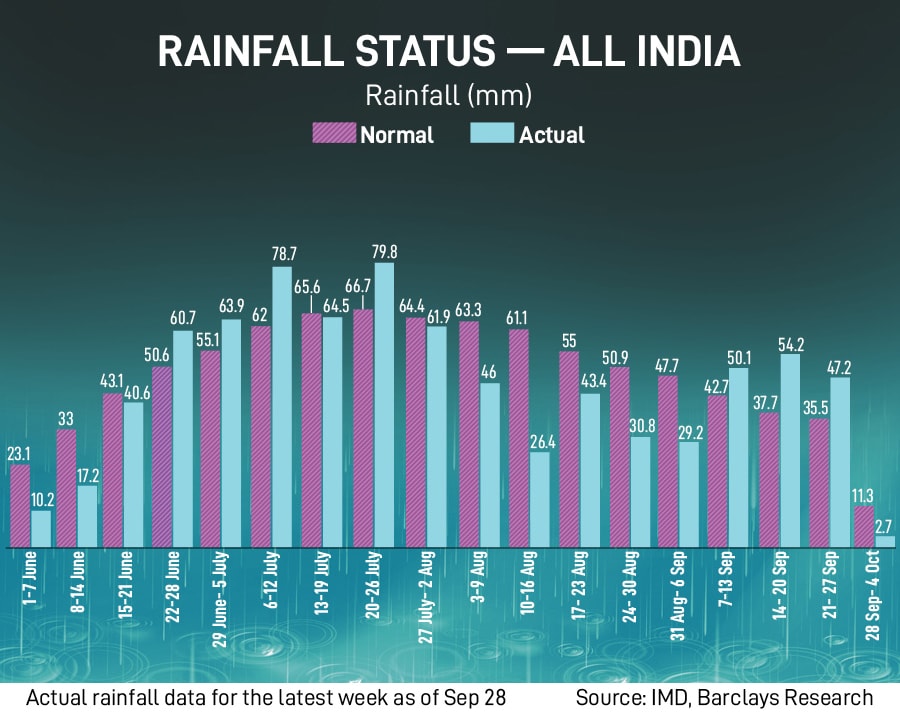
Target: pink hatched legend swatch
{"x":334,"y":133}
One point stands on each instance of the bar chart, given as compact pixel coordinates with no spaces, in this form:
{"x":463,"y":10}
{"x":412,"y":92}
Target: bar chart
{"x":551,"y":346}
{"x":173,"y":473}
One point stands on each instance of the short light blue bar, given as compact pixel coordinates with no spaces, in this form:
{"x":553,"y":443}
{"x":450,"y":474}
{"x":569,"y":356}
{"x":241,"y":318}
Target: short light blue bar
{"x":133,"y":476}
{"x":183,"y":439}
{"x":492,"y":132}
{"x":86,"y":534}
{"x":332,"y":428}
{"x":688,"y":494}
{"x":640,"y":492}
{"x":436,"y":437}
{"x":489,"y":446}
{"x":40,"y":529}
{"x":738,"y":457}
{"x":789,"y":449}
{"x":282,"y":406}
{"x":384,"y":404}
{"x":232,"y":515}
{"x":885,"y":541}
{"x":841,"y":514}
{"x":539,"y":508}
{"x":590,"y":470}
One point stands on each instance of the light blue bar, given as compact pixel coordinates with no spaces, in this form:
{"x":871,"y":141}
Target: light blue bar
{"x":133,"y":476}
{"x":885,"y":541}
{"x":86,"y":535}
{"x":332,"y":430}
{"x":492,"y":132}
{"x":436,"y":436}
{"x":384,"y":404}
{"x":590,"y":470}
{"x":640,"y":492}
{"x":688,"y":494}
{"x":489,"y":446}
{"x":840,"y":518}
{"x":738,"y":457}
{"x":231,"y":433}
{"x":790,"y":450}
{"x":539,"y":500}
{"x":40,"y":529}
{"x":183,"y":439}
{"x":282,"y":406}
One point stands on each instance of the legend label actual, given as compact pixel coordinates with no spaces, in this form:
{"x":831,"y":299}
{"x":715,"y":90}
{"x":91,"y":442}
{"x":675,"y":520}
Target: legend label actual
{"x":492,"y":132}
{"x":334,"y":133}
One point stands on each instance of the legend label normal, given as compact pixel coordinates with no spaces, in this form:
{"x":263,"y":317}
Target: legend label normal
{"x":351,"y":133}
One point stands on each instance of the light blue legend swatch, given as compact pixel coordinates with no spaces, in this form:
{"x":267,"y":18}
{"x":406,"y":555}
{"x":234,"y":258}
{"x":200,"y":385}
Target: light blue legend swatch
{"x":492,"y":132}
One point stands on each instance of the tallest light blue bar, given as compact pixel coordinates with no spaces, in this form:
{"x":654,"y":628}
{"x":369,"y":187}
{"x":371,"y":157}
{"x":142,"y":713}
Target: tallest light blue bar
{"x":492,"y":133}
{"x":790,"y":450}
{"x":183,"y":439}
{"x":738,"y":458}
{"x":384,"y":405}
{"x":231,"y":433}
{"x":840,"y":532}
{"x":282,"y":406}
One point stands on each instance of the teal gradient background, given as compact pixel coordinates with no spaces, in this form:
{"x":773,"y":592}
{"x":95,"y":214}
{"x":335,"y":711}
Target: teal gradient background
{"x":710,"y":209}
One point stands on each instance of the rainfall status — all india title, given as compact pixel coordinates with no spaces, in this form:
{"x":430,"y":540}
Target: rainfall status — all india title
{"x":439,"y":50}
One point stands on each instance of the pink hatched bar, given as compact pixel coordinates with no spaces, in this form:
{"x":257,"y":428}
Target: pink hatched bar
{"x":113,"y":456}
{"x":363,"y":427}
{"x":161,"y":455}
{"x":863,"y":526}
{"x":769,"y":467}
{"x":66,"y":488}
{"x":717,"y":471}
{"x":20,"y":505}
{"x":260,"y":436}
{"x":569,"y":449}
{"x":469,"y":435}
{"x":334,"y":132}
{"x":519,"y":460}
{"x":619,"y":456}
{"x":819,"y":482}
{"x":667,"y":461}
{"x":415,"y":432}
{"x":311,"y":430}
{"x":210,"y":449}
